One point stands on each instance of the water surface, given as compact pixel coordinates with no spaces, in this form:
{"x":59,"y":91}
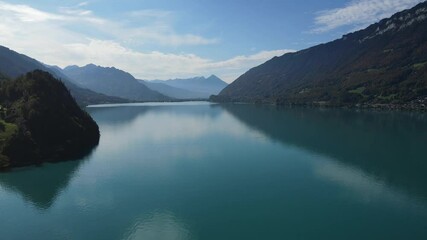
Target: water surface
{"x":189,"y":171}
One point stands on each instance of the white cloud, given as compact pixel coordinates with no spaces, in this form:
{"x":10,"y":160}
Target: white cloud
{"x":157,"y":31}
{"x":25,"y":13}
{"x":75,"y":11}
{"x":50,"y":38}
{"x":251,"y":60}
{"x":82,"y":4}
{"x":163,"y":35}
{"x":158,"y":65}
{"x":359,"y":13}
{"x":150,"y":13}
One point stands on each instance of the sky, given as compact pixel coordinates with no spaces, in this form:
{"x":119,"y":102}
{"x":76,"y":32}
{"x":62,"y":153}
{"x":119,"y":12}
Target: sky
{"x":166,"y":39}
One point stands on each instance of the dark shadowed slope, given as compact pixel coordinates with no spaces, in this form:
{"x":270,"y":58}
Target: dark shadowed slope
{"x":42,"y":122}
{"x":112,"y":82}
{"x":13,"y":64}
{"x":384,"y":63}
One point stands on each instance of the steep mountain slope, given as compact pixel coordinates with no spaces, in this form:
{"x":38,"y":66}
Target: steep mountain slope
{"x":13,"y":64}
{"x":112,"y":82}
{"x":42,"y":122}
{"x":173,"y":92}
{"x":385,"y":63}
{"x":201,"y":85}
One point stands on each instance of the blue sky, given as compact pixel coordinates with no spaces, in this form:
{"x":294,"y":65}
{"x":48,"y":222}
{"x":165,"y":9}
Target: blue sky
{"x":162,"y":39}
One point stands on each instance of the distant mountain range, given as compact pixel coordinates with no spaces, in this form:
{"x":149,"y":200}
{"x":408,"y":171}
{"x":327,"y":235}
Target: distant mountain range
{"x":192,"y":88}
{"x":112,"y":82}
{"x":386,"y":63}
{"x":198,"y":87}
{"x":173,"y":92}
{"x":93,"y":84}
{"x":13,"y":64}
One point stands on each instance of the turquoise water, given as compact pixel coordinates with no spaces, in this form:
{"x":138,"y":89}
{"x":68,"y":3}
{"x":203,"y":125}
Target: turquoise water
{"x":200,"y":171}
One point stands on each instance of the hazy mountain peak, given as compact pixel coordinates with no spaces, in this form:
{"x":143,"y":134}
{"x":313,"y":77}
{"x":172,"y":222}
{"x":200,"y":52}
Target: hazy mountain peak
{"x":215,"y":78}
{"x":200,"y":86}
{"x":14,"y":64}
{"x":113,"y":82}
{"x":91,"y":65}
{"x":71,"y":67}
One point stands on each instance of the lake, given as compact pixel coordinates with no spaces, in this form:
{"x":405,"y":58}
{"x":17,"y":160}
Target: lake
{"x":189,"y":171}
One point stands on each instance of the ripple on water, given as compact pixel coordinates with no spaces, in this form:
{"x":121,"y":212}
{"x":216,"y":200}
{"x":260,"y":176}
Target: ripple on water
{"x":158,"y":225}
